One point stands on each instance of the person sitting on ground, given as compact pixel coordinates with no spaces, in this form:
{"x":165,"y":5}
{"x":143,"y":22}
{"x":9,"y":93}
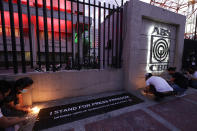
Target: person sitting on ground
{"x":192,"y":75}
{"x":15,"y":106}
{"x":167,"y":75}
{"x":7,"y":122}
{"x":158,"y":86}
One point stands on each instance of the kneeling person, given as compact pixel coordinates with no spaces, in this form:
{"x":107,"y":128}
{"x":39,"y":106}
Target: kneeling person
{"x":7,"y":123}
{"x":158,"y":86}
{"x":14,"y":106}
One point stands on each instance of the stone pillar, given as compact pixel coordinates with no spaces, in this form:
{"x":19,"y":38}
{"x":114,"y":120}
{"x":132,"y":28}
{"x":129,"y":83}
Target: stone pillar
{"x":140,"y":20}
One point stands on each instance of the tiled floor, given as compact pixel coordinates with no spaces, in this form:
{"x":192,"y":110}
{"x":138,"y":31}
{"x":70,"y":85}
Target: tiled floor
{"x":179,"y":112}
{"x":127,"y":122}
{"x":192,"y":97}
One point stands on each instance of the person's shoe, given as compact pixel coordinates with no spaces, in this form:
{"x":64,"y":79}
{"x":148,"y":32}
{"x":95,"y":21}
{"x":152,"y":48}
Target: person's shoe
{"x":180,"y":95}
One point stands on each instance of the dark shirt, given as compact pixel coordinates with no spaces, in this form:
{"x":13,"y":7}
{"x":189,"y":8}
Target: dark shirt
{"x":13,"y":96}
{"x":180,"y":80}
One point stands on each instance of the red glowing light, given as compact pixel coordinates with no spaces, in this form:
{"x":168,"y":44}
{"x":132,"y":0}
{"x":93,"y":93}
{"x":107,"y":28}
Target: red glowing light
{"x":31,"y":2}
{"x":55,"y":5}
{"x":16,"y":20}
{"x":55,"y":23}
{"x":48,"y":5}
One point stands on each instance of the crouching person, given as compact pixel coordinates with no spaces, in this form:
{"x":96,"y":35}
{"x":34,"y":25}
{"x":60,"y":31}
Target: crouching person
{"x":158,"y":86}
{"x":179,"y":83}
{"x":14,"y":106}
{"x":7,"y":123}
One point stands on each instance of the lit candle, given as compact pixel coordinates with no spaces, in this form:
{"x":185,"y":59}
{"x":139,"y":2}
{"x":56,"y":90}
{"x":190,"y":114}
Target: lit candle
{"x":35,"y":110}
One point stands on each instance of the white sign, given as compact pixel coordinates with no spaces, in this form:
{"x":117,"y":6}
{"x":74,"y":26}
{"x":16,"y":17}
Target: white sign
{"x":159,"y":48}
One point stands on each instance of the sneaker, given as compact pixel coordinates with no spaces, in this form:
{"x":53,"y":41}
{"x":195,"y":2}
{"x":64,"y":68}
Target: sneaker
{"x":180,"y":95}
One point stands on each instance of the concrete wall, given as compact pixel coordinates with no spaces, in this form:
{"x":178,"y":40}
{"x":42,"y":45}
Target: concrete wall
{"x":52,"y":86}
{"x":139,"y":17}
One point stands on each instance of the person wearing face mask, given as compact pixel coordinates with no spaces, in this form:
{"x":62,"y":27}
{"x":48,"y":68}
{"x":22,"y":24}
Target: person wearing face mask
{"x":7,"y":123}
{"x":15,"y":106}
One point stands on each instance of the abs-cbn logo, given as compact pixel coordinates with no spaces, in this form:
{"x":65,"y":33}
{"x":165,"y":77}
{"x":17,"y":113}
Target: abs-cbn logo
{"x":159,"y":50}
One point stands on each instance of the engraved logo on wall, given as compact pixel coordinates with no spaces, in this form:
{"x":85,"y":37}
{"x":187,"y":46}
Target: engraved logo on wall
{"x":160,"y":48}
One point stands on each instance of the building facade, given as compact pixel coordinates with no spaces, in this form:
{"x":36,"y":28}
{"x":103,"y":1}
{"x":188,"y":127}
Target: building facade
{"x":64,"y":35}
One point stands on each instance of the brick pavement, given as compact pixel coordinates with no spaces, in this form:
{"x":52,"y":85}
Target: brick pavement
{"x":177,"y":114}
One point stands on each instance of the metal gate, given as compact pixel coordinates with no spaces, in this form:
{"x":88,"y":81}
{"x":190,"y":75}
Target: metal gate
{"x":52,"y":35}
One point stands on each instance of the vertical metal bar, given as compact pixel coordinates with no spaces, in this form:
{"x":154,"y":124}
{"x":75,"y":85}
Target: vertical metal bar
{"x":195,"y":28}
{"x":99,"y":36}
{"x":112,"y":57}
{"x":89,"y":32}
{"x":14,"y":52}
{"x":122,"y":2}
{"x":78,"y":41}
{"x":37,"y":35}
{"x":21,"y":36}
{"x":52,"y":33}
{"x":108,"y":35}
{"x":60,"y":43}
{"x":117,"y":35}
{"x":66,"y":34}
{"x":4,"y":35}
{"x":121,"y":37}
{"x":84,"y":46}
{"x":30,"y":36}
{"x":94,"y":30}
{"x":72,"y":33}
{"x":104,"y":37}
{"x":46,"y":36}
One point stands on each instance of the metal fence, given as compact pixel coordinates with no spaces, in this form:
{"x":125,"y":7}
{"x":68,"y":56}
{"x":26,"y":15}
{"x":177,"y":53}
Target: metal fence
{"x":52,"y":35}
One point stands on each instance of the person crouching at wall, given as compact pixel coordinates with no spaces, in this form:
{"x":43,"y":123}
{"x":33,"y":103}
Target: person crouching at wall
{"x":7,"y":123}
{"x":167,"y":74}
{"x":15,"y":103}
{"x":158,"y":86}
{"x":192,"y":76}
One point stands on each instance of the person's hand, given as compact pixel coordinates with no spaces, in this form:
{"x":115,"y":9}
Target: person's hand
{"x":26,"y":109}
{"x":146,"y":90}
{"x":25,"y":120}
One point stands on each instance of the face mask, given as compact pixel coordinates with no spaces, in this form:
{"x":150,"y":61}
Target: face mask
{"x":24,"y":91}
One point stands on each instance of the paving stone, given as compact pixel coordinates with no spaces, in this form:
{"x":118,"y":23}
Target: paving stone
{"x":132,"y":121}
{"x":192,"y":97}
{"x":69,"y":130}
{"x":179,"y":112}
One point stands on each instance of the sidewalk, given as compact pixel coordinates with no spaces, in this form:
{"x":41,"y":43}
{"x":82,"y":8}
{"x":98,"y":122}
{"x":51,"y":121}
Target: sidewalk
{"x":177,"y":114}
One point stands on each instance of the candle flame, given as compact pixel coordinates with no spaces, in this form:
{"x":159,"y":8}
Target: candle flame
{"x":35,"y":110}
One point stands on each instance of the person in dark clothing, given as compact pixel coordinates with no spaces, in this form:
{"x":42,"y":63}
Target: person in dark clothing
{"x":20,"y":86}
{"x":179,"y":83}
{"x":192,"y":76}
{"x":180,"y":80}
{"x":167,"y":75}
{"x":15,"y":108}
{"x":7,"y":122}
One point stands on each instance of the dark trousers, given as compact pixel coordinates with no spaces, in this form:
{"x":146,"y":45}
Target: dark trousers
{"x":159,"y":95}
{"x":194,"y":84}
{"x":154,"y":91}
